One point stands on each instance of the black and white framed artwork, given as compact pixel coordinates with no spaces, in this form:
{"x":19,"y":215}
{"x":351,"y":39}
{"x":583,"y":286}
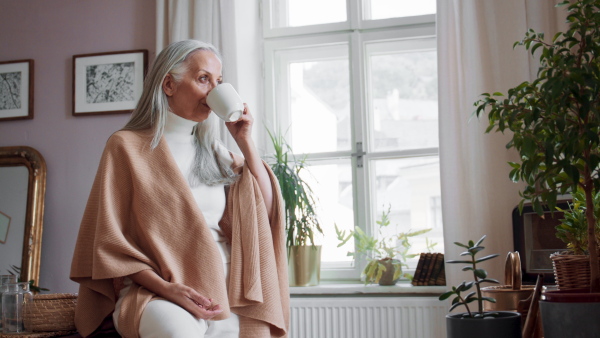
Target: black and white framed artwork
{"x":108,"y":83}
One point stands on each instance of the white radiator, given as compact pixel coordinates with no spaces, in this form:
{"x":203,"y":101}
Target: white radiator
{"x":368,"y":317}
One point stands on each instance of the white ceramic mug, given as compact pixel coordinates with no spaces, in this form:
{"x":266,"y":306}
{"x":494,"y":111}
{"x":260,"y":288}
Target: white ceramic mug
{"x":224,"y":101}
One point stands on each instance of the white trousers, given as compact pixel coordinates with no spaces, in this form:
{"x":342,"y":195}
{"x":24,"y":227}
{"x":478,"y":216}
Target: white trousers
{"x":164,"y":319}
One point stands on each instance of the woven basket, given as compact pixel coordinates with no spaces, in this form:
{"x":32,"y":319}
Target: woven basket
{"x":51,"y":312}
{"x":571,"y":271}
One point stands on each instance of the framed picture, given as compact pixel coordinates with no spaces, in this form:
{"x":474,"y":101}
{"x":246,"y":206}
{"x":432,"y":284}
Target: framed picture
{"x":108,"y":83}
{"x":16,"y":90}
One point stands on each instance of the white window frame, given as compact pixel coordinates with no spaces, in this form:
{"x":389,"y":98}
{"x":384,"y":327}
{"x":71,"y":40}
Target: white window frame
{"x":357,"y":34}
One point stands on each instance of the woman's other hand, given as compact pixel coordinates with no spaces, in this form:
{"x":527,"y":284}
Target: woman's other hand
{"x":198,"y":305}
{"x":192,"y":301}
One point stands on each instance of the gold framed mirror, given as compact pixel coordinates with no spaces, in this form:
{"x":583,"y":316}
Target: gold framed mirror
{"x":22,"y":191}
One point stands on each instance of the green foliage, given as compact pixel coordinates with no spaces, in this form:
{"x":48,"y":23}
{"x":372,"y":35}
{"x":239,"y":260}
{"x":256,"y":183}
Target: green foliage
{"x":573,"y":228}
{"x":301,"y":219}
{"x":555,"y":119}
{"x":16,"y":270}
{"x":479,"y":277}
{"x":380,"y":250}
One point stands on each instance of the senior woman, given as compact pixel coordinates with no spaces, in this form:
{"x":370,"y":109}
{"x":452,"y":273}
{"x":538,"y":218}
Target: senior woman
{"x":180,"y":237}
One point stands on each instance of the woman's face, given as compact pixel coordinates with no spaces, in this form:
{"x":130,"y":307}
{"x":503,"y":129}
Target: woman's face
{"x":187,"y":98}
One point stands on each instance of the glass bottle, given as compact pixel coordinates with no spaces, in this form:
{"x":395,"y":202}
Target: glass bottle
{"x":4,"y":281}
{"x":13,"y":307}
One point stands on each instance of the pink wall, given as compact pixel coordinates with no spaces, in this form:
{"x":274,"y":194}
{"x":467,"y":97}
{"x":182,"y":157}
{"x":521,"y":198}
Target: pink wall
{"x":51,"y":32}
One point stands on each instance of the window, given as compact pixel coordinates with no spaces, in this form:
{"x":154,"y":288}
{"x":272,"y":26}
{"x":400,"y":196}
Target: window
{"x":353,"y":84}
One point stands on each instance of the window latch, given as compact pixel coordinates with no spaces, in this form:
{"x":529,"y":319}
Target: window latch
{"x":359,"y":154}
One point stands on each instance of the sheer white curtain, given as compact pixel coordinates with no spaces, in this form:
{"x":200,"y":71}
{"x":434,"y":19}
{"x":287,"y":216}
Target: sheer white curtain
{"x":475,"y":40}
{"x":211,"y":21}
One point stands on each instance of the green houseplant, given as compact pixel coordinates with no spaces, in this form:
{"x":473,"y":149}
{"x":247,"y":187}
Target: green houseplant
{"x":555,"y":126}
{"x":573,"y":228}
{"x":555,"y":121}
{"x":304,"y":257}
{"x":386,"y":255}
{"x":472,"y":323}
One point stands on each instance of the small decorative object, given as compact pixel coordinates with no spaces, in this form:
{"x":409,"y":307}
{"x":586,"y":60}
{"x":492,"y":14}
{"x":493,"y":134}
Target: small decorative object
{"x":4,"y":281}
{"x":304,"y":257}
{"x":16,"y":90}
{"x":386,"y":255}
{"x":108,"y":83}
{"x":14,"y":301}
{"x":430,"y":270}
{"x":511,"y":295}
{"x":477,"y":322}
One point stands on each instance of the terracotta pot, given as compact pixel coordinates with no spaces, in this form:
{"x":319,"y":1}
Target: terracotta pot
{"x":506,"y":325}
{"x":570,"y":313}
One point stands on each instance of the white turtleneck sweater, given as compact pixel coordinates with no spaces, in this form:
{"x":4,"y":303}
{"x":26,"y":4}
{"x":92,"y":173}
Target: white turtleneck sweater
{"x":210,"y":199}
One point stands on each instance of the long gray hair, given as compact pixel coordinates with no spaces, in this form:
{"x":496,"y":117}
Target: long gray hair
{"x":153,"y":108}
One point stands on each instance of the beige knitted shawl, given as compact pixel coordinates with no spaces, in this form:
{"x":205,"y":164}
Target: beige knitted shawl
{"x":141,"y":215}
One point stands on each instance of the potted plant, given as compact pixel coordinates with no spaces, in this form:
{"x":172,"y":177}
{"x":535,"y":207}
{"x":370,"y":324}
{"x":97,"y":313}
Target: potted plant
{"x":386,"y":255}
{"x":304,"y":257}
{"x":555,"y":125}
{"x":477,"y":322}
{"x":573,"y":228}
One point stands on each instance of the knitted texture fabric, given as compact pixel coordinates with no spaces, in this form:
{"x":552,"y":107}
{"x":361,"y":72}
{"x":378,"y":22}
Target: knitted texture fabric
{"x":141,"y":215}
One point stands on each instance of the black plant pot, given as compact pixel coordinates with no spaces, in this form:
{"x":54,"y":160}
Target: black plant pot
{"x":505,"y":325}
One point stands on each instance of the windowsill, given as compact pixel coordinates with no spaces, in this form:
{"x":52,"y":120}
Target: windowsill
{"x":402,"y":289}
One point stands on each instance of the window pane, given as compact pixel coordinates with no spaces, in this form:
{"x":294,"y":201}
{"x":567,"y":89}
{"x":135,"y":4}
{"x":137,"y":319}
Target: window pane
{"x":384,"y":9}
{"x":410,"y":188}
{"x":295,"y":13}
{"x":320,"y":106}
{"x":403,"y":99}
{"x":331,"y":184}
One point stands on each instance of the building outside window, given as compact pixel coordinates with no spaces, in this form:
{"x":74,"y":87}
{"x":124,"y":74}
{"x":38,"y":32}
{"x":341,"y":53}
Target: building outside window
{"x":353,"y":85}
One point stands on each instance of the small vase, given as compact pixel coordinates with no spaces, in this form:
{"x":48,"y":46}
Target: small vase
{"x":4,"y":281}
{"x":14,"y":301}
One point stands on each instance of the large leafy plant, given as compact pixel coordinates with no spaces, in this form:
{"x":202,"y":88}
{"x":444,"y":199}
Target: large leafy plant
{"x":381,"y":251}
{"x":479,"y":277}
{"x":301,"y":219}
{"x":555,"y":119}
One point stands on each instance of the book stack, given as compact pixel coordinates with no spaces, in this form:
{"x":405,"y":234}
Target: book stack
{"x":430,"y":270}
